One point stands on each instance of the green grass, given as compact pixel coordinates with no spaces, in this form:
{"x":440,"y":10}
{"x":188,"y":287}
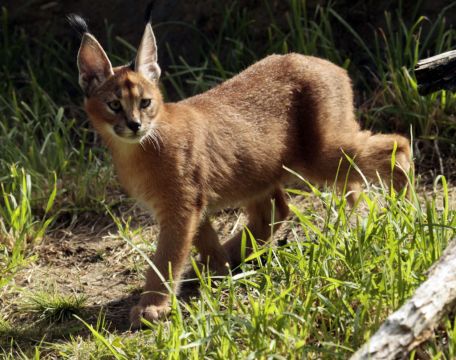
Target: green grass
{"x":319,"y":296}
{"x":20,"y":228}
{"x":54,"y":307}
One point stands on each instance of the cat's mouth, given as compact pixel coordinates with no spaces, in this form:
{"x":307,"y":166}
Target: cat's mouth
{"x":128,"y":135}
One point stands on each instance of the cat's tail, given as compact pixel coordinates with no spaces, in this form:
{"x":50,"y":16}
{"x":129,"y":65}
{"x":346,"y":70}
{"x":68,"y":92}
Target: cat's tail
{"x":375,"y":158}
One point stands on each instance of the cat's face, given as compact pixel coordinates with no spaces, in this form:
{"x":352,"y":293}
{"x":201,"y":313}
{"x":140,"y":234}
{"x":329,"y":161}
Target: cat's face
{"x":126,"y":105}
{"x":123,"y":102}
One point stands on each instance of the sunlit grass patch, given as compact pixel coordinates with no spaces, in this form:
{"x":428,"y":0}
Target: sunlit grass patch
{"x":54,"y":307}
{"x":19,"y":227}
{"x":320,"y":296}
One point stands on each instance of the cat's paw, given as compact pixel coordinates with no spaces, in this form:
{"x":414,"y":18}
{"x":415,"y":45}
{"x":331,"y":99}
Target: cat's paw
{"x":150,"y":313}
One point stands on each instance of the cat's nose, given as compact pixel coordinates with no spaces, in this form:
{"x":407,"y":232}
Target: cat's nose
{"x":134,"y":125}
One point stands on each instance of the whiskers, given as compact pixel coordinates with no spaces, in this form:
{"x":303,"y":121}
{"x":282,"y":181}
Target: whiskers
{"x":152,"y":137}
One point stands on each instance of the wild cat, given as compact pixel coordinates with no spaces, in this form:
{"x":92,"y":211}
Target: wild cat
{"x":225,"y":147}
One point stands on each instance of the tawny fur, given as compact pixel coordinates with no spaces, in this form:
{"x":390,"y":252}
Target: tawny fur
{"x":228,"y":147}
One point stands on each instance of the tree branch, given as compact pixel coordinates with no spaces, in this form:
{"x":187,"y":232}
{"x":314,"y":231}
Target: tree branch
{"x":436,"y":73}
{"x":415,"y":321}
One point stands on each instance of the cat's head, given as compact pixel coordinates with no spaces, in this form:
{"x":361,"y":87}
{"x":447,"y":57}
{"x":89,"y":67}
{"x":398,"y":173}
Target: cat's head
{"x":122,"y":102}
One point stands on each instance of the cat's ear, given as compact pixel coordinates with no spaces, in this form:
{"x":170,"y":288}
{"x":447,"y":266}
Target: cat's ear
{"x":93,"y":64}
{"x":146,"y":58}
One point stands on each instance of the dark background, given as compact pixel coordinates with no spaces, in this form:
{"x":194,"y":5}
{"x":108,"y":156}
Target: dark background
{"x":170,"y":17}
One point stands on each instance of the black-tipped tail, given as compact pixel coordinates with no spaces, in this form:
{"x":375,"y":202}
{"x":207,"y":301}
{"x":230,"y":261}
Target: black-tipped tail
{"x":78,"y":23}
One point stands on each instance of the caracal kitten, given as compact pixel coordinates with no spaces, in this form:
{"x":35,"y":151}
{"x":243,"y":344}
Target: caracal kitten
{"x":226,"y":147}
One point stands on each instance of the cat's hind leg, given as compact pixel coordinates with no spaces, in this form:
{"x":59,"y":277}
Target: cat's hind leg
{"x":261,"y":213}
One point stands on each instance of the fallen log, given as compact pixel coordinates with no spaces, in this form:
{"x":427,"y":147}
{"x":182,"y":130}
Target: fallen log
{"x":415,"y":321}
{"x":436,"y":73}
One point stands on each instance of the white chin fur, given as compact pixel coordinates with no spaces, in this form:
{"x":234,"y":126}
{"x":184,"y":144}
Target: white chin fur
{"x":130,"y":140}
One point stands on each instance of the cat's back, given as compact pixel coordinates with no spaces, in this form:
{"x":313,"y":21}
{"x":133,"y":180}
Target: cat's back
{"x":275,"y":84}
{"x":278,"y":75}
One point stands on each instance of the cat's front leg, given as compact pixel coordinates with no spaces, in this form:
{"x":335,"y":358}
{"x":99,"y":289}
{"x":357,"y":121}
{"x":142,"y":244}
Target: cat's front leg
{"x":174,"y":244}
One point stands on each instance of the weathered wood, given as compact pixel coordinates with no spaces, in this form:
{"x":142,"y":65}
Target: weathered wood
{"x":436,"y":73}
{"x":415,"y":321}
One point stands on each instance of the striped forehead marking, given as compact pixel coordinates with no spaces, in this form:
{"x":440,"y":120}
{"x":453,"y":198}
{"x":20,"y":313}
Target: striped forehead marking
{"x":130,"y":89}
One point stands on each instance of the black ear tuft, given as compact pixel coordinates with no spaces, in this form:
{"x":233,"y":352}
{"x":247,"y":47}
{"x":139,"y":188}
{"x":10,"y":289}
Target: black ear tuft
{"x":78,"y":23}
{"x":148,"y":12}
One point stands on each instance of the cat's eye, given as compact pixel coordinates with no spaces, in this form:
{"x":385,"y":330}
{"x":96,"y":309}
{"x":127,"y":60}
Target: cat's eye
{"x":115,"y":105}
{"x":144,"y":103}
